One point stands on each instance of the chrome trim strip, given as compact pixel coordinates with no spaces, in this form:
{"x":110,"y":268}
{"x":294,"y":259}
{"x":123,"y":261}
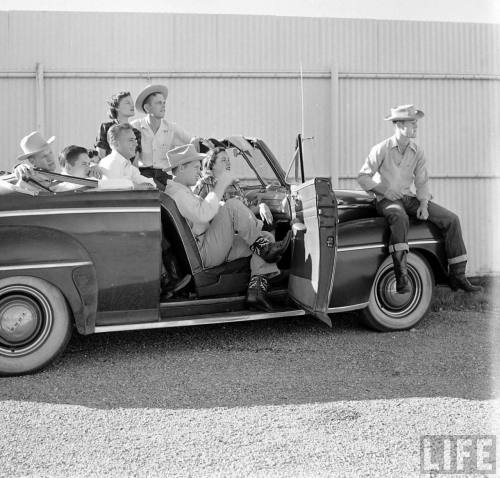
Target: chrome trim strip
{"x":354,"y":206}
{"x":347,"y":308}
{"x":201,"y":321}
{"x":423,"y":241}
{"x":378,"y":246}
{"x":359,"y":248}
{"x":83,"y":210}
{"x":219,"y":300}
{"x":46,"y":265}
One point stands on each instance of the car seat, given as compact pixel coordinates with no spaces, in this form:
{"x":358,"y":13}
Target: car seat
{"x":226,"y":279}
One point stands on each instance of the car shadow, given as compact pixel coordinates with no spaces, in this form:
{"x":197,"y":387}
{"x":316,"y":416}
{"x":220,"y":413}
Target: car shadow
{"x":282,"y":361}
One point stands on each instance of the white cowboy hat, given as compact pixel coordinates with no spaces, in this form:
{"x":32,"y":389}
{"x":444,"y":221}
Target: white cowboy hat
{"x":182,"y":155}
{"x":404,"y":113}
{"x":149,"y":90}
{"x":33,"y":143}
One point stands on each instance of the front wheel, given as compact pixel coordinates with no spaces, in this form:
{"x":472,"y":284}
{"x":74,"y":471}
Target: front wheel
{"x":387,"y":310}
{"x":35,"y":324}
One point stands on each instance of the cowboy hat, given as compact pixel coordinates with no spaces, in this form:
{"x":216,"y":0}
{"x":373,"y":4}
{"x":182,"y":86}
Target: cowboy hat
{"x":149,"y":90}
{"x":404,"y":113}
{"x":33,"y":143}
{"x":182,"y":155}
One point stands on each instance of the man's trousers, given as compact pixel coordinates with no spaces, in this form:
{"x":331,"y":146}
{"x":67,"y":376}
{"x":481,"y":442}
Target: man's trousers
{"x":397,"y":212}
{"x":229,"y":235}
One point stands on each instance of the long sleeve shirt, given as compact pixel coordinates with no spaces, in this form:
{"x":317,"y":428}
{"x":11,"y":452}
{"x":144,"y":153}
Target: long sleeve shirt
{"x":387,"y":166}
{"x":115,"y":166}
{"x":155,"y":145}
{"x":198,"y":212}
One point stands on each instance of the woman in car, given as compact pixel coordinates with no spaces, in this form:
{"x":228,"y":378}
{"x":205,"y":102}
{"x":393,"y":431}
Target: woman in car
{"x":216,"y":161}
{"x":121,"y":108}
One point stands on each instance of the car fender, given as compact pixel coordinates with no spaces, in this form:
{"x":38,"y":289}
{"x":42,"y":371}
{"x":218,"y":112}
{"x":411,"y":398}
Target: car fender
{"x":362,"y":247}
{"x":58,"y":258}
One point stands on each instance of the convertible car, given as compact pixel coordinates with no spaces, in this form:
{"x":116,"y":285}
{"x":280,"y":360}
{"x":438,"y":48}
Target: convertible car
{"x":90,"y":260}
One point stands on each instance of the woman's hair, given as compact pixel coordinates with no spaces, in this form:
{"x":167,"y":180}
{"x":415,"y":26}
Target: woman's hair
{"x":70,"y":154}
{"x":209,"y":160}
{"x":115,"y":102}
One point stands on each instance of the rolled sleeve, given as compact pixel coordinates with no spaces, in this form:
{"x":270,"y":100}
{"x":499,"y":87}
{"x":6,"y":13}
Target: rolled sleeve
{"x":421,"y":179}
{"x":370,"y":167}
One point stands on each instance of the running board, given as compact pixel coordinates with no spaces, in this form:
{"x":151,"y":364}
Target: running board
{"x":202,"y":320}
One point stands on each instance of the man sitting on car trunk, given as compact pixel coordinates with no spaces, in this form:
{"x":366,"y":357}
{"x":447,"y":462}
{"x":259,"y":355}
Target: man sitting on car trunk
{"x":390,"y":170}
{"x":223,"y":232}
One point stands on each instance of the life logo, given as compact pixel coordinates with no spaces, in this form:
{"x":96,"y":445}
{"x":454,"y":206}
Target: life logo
{"x":458,"y":454}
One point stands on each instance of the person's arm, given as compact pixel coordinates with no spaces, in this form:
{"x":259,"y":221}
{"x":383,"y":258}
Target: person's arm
{"x":138,"y":178}
{"x":181,"y":136}
{"x":421,"y":179}
{"x":196,"y":209}
{"x":370,"y":167}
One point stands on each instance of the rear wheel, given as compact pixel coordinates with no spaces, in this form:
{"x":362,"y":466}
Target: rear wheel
{"x":35,"y":324}
{"x":387,"y":310}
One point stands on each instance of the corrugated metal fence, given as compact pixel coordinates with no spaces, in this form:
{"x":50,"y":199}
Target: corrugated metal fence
{"x":240,"y":74}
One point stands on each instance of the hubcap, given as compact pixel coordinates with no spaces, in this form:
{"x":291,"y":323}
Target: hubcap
{"x":393,"y":303}
{"x":19,"y":319}
{"x":25,"y":320}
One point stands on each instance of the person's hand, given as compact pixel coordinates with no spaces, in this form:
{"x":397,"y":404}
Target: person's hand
{"x":23,"y":172}
{"x":423,"y":212}
{"x":95,"y":171}
{"x":265,"y":213}
{"x":392,"y":194}
{"x":143,"y":186}
{"x":197,"y":141}
{"x":226,"y":178}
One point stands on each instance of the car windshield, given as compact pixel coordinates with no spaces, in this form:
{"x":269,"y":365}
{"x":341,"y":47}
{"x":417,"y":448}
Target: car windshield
{"x":249,"y":164}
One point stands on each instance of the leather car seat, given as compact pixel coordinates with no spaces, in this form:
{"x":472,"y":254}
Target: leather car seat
{"x":225,"y":279}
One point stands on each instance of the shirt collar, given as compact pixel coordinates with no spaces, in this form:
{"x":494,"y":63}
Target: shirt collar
{"x":394,"y":143}
{"x":116,"y":154}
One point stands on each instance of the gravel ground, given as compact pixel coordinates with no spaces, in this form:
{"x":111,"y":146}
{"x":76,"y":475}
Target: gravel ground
{"x":280,"y":398}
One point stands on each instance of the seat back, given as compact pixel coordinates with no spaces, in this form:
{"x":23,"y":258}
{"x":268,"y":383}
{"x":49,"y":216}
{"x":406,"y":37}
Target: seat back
{"x":174,"y":222}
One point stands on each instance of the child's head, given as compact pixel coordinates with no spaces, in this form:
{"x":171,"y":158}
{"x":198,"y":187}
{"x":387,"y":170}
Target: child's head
{"x":75,"y":161}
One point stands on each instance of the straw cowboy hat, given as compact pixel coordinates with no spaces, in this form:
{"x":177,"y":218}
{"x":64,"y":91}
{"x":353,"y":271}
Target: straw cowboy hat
{"x":182,"y":155}
{"x":33,"y":143}
{"x":149,"y":90}
{"x":405,"y":113}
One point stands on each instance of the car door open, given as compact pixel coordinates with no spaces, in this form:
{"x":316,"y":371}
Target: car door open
{"x":314,"y":245}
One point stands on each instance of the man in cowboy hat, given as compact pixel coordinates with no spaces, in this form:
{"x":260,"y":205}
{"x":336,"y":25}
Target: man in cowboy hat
{"x":390,"y":170}
{"x":37,"y":153}
{"x":223,"y":232}
{"x":157,"y":134}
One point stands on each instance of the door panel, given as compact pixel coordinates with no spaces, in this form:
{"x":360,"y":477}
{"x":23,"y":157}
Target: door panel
{"x":314,"y":213}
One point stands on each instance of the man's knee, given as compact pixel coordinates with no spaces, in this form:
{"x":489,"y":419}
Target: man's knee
{"x":398,"y":217}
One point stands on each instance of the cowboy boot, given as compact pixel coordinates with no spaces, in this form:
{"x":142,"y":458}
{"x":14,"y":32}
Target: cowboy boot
{"x":171,"y":280}
{"x":271,"y":251}
{"x":458,"y":279}
{"x":401,"y":272}
{"x":257,"y":294}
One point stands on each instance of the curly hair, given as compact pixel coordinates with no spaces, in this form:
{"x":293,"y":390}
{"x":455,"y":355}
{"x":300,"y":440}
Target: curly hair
{"x":114,"y":103}
{"x":209,"y":160}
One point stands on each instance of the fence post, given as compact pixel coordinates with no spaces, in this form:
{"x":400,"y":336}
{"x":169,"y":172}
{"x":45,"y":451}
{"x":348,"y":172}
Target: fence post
{"x":334,"y":125}
{"x":40,"y":99}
